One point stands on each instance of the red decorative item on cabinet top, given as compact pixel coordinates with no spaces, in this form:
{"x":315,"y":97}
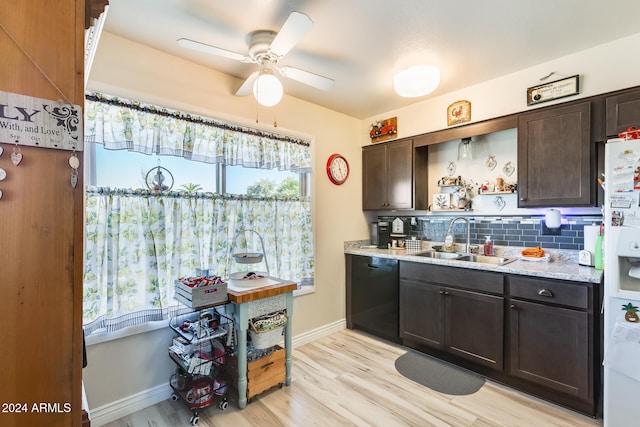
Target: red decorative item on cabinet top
{"x":631,"y":133}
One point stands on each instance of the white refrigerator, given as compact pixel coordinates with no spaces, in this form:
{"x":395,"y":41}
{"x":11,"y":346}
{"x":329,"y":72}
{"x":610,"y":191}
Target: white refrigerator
{"x":621,"y":218}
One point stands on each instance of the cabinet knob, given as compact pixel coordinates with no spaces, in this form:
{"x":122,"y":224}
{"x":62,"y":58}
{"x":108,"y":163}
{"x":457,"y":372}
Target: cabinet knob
{"x":513,"y":307}
{"x":545,"y":293}
{"x":522,"y":199}
{"x":443,"y":292}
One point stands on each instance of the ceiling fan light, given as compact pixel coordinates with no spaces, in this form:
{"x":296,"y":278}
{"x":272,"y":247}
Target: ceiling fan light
{"x":415,"y":81}
{"x":267,"y":89}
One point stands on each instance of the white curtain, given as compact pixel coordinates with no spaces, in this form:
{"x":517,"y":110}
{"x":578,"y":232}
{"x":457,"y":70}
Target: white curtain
{"x":139,"y":242}
{"x":122,"y":124}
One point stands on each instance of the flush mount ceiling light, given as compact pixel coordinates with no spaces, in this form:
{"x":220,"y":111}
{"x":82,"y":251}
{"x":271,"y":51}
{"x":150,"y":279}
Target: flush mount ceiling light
{"x":415,"y":81}
{"x":465,"y":149}
{"x":267,"y":89}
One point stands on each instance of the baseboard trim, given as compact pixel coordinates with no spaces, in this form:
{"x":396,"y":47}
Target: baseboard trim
{"x":130,"y":404}
{"x":137,"y":402}
{"x":318,"y":333}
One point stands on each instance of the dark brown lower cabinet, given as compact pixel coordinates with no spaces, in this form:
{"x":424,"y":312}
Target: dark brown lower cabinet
{"x":550,"y":347}
{"x":552,"y":339}
{"x":463,"y":322}
{"x":537,"y":335}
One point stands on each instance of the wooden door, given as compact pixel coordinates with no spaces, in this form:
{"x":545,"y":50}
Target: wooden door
{"x":41,"y":224}
{"x":622,"y":112}
{"x":554,"y":157}
{"x":374,"y":177}
{"x":422,"y":313}
{"x":474,"y":325}
{"x":400,"y":175}
{"x":550,"y":346}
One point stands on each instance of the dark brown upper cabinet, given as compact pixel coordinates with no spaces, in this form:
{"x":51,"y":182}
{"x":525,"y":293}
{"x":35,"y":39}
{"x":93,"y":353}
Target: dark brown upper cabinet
{"x":387,"y":176}
{"x":555,"y":157}
{"x":622,"y":112}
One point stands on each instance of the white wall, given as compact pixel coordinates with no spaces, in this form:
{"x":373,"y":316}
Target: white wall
{"x":604,"y":68}
{"x":133,"y":71}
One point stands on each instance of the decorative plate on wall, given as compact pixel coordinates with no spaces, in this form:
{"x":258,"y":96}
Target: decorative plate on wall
{"x":509,"y":168}
{"x":491,"y":163}
{"x":451,"y":169}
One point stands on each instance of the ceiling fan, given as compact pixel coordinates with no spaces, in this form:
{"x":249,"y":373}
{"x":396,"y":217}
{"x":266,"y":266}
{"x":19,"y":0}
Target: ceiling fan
{"x":267,"y":48}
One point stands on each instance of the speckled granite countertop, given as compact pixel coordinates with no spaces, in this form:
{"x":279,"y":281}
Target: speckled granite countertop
{"x":563,"y":264}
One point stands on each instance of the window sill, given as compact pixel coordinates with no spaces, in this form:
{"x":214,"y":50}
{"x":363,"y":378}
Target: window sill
{"x":102,"y":337}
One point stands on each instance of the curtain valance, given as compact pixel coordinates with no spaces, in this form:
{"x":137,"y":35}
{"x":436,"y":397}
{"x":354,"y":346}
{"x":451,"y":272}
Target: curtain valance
{"x":122,"y":124}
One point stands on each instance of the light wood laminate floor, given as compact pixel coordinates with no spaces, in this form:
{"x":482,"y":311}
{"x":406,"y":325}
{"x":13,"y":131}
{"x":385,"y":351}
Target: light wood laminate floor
{"x":349,"y":378}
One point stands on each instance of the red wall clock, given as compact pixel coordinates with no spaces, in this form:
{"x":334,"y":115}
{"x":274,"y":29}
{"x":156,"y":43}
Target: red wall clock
{"x":337,"y":169}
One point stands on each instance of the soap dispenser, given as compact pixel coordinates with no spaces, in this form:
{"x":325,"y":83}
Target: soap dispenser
{"x":488,"y":246}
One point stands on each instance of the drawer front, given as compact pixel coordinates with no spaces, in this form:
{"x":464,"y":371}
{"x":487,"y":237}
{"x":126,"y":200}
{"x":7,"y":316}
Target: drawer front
{"x":266,"y":372}
{"x":262,"y":374}
{"x":459,"y":277}
{"x":571,"y":294}
{"x":262,"y":367}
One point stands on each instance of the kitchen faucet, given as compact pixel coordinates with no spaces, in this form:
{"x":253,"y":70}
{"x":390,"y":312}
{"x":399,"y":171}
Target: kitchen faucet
{"x":467,"y":248}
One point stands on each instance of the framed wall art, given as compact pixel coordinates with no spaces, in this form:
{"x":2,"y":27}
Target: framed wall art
{"x":458,"y":112}
{"x":383,"y":130}
{"x":553,"y":90}
{"x":441,"y":201}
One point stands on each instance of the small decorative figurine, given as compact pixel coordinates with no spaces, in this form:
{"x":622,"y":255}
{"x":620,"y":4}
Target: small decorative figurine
{"x":630,"y":315}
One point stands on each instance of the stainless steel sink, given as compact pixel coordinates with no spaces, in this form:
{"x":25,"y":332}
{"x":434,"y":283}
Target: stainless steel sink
{"x":481,"y":259}
{"x":440,"y":255}
{"x":484,"y":259}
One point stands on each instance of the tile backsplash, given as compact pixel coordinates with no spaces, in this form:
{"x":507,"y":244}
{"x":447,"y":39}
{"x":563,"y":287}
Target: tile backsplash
{"x":504,"y":231}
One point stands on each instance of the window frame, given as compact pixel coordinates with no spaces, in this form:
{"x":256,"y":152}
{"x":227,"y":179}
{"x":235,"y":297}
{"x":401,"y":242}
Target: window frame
{"x":90,"y":173}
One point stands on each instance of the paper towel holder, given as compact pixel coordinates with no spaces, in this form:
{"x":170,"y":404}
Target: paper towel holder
{"x":552,"y":224}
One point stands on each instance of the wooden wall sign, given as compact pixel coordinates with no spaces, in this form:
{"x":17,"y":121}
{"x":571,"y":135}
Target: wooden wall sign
{"x":25,"y":120}
{"x":553,"y":90}
{"x":384,"y":130}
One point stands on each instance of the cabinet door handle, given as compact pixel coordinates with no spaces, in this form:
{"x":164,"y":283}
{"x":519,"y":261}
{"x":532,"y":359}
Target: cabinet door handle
{"x":266,"y":365}
{"x":372,"y":266}
{"x":545,"y":293}
{"x":513,"y":307}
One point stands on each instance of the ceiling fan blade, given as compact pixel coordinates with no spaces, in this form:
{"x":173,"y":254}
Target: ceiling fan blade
{"x":310,"y":79}
{"x":202,"y":47}
{"x":247,"y":86}
{"x":294,"y":28}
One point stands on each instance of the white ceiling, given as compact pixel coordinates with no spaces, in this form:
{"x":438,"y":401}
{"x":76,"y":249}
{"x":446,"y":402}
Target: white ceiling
{"x":362,"y":43}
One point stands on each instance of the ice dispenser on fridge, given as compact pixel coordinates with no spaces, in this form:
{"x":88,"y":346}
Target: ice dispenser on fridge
{"x":628,"y":252}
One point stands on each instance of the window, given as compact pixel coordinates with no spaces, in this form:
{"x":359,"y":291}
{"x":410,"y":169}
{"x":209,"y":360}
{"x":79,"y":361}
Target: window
{"x":128,"y":169}
{"x":139,"y":241}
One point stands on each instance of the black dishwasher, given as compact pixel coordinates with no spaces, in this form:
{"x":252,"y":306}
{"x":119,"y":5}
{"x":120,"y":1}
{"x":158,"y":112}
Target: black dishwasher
{"x":373,"y":296}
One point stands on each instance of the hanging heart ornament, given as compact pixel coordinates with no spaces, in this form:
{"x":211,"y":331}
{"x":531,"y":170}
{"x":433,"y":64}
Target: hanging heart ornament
{"x":16,"y":158}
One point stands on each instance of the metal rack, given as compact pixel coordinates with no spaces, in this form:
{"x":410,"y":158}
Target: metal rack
{"x":204,"y":341}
